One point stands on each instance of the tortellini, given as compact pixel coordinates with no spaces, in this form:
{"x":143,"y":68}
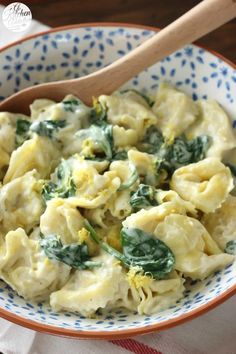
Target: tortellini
{"x":64,"y":220}
{"x":72,"y":110}
{"x":90,"y":290}
{"x":172,"y":196}
{"x":145,"y":165}
{"x":128,"y":113}
{"x":147,"y":220}
{"x":125,"y":171}
{"x":214,"y":122}
{"x":21,"y":203}
{"x":197,"y":255}
{"x":136,"y":96}
{"x":60,"y":218}
{"x":175,"y":111}
{"x":206,"y":184}
{"x":38,"y":153}
{"x":43,"y":108}
{"x":124,"y":137}
{"x":92,"y":188}
{"x":148,"y":295}
{"x":222,"y":223}
{"x":119,"y":204}
{"x":99,"y":216}
{"x":24,"y":266}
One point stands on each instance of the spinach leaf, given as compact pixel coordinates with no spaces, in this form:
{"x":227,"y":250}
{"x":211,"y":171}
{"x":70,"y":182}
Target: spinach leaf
{"x":47,"y":127}
{"x":181,"y":153}
{"x":64,"y":186}
{"x":231,"y":247}
{"x":172,"y":156}
{"x":232,"y":168}
{"x":131,"y":180}
{"x":22,"y":131}
{"x":149,"y":101}
{"x":144,"y":250}
{"x":184,"y":152}
{"x":25,"y":129}
{"x":101,"y":136}
{"x":74,"y":255}
{"x":152,"y":141}
{"x":101,"y":133}
{"x":143,"y":197}
{"x":140,"y":249}
{"x":71,"y":105}
{"x":199,"y":147}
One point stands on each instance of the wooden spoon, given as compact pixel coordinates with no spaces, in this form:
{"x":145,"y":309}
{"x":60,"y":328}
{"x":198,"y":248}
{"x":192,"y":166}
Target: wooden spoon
{"x":197,"y":22}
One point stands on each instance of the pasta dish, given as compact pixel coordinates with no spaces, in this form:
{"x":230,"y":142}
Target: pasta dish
{"x":118,"y":204}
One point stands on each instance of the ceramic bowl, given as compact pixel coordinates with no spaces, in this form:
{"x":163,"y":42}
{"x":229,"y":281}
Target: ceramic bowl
{"x":75,"y":51}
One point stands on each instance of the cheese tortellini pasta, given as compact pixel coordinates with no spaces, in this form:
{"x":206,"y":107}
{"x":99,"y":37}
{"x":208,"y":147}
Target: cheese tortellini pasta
{"x":128,"y":113}
{"x":175,"y":111}
{"x":148,"y":295}
{"x":213,"y":121}
{"x":222,"y":223}
{"x":21,"y":203}
{"x":37,"y":153}
{"x":62,"y":219}
{"x":206,"y":184}
{"x":24,"y":266}
{"x":115,"y":205}
{"x":92,"y":188}
{"x":91,"y":289}
{"x":197,"y":255}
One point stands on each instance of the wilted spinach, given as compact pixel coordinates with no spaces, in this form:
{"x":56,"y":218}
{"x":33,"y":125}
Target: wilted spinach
{"x":180,"y":153}
{"x":25,"y":129}
{"x":140,"y":249}
{"x":101,"y":136}
{"x":64,"y":186}
{"x":152,"y":141}
{"x":22,"y":131}
{"x":199,"y":147}
{"x":74,"y":255}
{"x":183,"y":152}
{"x":47,"y":127}
{"x":231,"y":247}
{"x":70,"y":105}
{"x":144,"y":250}
{"x":101,"y":133}
{"x":145,"y":196}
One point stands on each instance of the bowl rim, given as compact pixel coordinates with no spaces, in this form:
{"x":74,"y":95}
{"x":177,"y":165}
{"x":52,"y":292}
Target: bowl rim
{"x":119,"y":333}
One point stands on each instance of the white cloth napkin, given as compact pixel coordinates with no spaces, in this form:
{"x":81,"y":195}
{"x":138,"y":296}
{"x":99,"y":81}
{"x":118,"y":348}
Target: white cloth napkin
{"x":212,"y":333}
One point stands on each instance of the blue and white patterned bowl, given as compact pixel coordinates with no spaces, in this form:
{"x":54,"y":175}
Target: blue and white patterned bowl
{"x":79,"y":50}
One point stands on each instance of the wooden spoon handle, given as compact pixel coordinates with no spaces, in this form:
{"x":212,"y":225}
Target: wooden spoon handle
{"x":202,"y":19}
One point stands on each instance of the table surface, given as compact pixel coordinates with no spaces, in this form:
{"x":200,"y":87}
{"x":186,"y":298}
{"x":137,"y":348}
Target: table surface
{"x":157,"y":13}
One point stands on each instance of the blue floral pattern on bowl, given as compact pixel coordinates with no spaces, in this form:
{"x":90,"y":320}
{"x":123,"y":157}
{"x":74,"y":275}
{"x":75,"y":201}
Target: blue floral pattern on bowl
{"x":75,"y":52}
